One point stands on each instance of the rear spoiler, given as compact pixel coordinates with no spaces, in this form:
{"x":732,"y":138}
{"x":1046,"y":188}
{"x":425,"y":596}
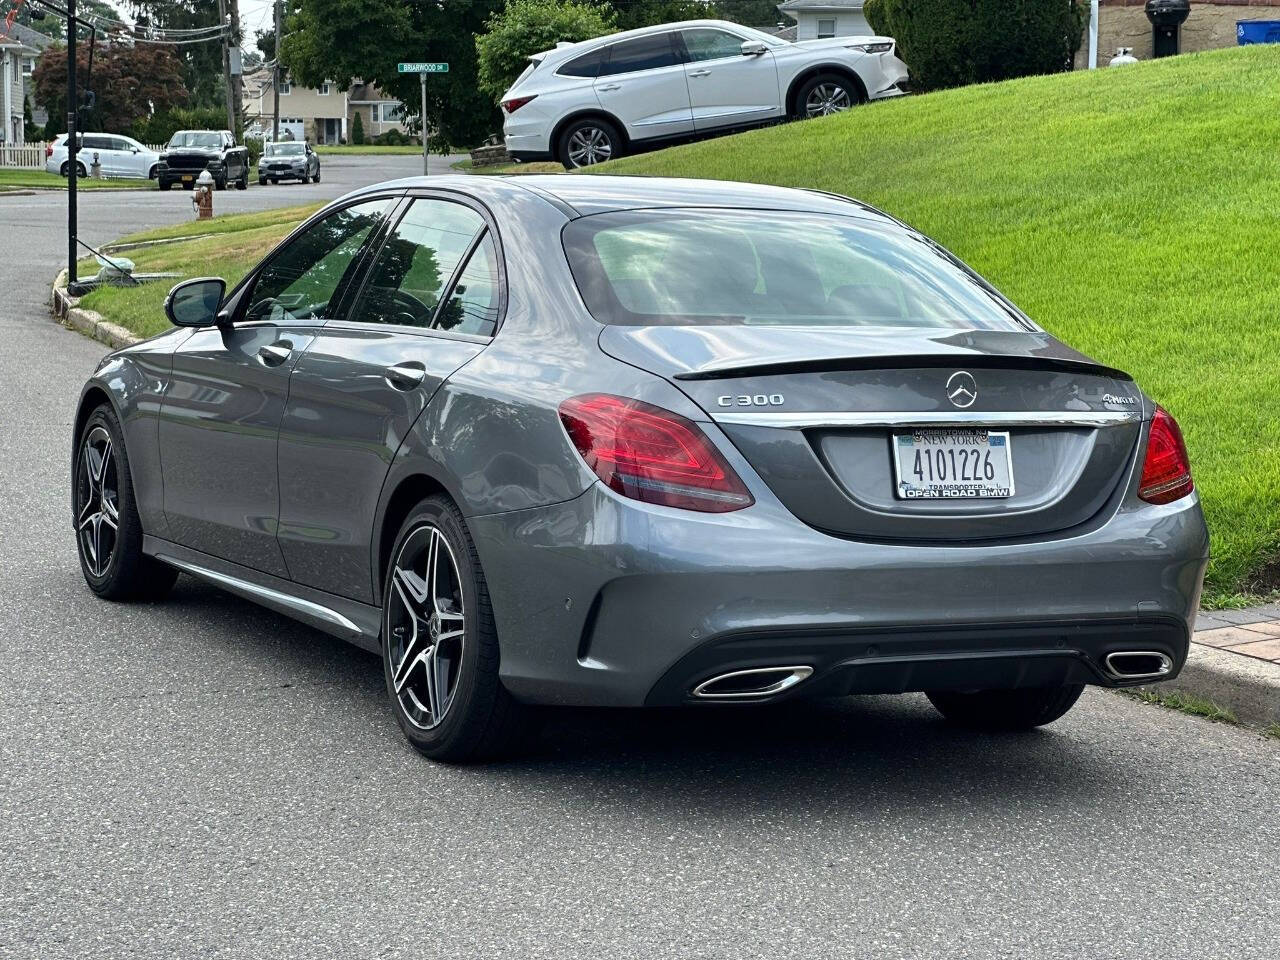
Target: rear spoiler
{"x":904,"y":362}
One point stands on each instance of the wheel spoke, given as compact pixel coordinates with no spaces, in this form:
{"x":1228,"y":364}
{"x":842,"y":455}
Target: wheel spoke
{"x":96,"y":536}
{"x":435,"y":689}
{"x":104,"y":463}
{"x":110,"y":515}
{"x":87,"y":515}
{"x":413,"y":591}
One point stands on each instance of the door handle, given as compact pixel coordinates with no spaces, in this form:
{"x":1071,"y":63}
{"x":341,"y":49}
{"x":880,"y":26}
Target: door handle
{"x":406,"y":376}
{"x":699,"y":73}
{"x":609,"y":87}
{"x":274,"y":354}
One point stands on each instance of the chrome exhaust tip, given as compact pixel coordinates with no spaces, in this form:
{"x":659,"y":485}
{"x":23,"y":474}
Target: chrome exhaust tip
{"x":751,"y":684}
{"x":1138,"y":664}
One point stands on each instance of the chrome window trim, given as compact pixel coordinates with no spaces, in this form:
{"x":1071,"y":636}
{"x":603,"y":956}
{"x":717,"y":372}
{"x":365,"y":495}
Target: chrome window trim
{"x":931,"y":418}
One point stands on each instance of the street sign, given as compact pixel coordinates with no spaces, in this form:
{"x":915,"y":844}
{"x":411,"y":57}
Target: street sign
{"x":423,"y":68}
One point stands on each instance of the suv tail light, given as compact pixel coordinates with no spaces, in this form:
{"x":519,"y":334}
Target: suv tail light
{"x":651,"y":454}
{"x":515,"y":103}
{"x":1166,"y":473}
{"x":48,"y":151}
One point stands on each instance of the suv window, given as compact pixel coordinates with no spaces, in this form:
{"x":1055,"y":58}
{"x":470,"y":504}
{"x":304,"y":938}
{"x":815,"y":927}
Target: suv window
{"x":416,"y":263}
{"x":587,"y":65}
{"x":94,"y":142}
{"x":706,"y":44}
{"x":299,"y":282}
{"x":642,"y":53}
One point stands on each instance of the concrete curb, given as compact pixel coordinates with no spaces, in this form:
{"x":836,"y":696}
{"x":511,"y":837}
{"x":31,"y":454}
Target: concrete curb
{"x":1247,"y":686}
{"x":65,"y":311}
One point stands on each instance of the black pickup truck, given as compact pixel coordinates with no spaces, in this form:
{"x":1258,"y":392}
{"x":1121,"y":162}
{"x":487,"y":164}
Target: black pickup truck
{"x":191,"y":151}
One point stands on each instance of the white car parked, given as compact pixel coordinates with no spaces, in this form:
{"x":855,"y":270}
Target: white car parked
{"x":120,"y":157}
{"x":584,"y":103}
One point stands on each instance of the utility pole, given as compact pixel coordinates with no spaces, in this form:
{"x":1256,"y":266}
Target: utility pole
{"x":226,"y":67}
{"x":275,"y":83}
{"x":237,"y":74}
{"x":72,"y":142}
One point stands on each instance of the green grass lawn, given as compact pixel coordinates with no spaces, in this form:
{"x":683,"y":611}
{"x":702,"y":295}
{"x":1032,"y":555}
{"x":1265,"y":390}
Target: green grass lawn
{"x":1135,"y":213}
{"x":11,"y":179}
{"x":509,"y":169}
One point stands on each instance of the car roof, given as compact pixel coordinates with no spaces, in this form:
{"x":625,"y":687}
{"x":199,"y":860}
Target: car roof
{"x":568,"y":50}
{"x":579,"y":196}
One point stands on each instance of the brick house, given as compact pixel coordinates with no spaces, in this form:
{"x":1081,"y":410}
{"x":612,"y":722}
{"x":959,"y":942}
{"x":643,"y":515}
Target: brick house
{"x":1212,"y":24}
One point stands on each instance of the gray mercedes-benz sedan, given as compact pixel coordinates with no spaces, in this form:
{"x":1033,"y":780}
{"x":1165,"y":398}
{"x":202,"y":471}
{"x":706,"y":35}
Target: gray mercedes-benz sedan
{"x":629,"y":442}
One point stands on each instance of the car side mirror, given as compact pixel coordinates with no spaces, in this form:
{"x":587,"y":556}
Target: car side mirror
{"x":194,"y":303}
{"x":753,"y":48}
{"x":135,"y":149}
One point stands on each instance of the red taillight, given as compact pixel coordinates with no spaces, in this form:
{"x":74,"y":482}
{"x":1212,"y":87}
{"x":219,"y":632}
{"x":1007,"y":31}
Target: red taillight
{"x":650,"y":454}
{"x":515,"y":103}
{"x":1166,"y":473}
{"x":48,"y":151}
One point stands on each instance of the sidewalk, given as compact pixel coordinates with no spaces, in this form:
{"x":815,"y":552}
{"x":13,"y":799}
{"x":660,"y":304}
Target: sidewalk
{"x":1235,"y":662}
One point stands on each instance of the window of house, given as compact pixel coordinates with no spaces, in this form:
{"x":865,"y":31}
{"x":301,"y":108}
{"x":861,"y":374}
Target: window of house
{"x":826,"y":28}
{"x":286,"y":88}
{"x":324,"y":89}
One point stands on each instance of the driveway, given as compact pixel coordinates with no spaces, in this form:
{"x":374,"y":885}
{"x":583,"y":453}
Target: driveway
{"x":205,"y":778}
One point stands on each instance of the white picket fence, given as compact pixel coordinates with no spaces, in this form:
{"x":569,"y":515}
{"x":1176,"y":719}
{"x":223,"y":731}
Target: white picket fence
{"x":30,"y":156}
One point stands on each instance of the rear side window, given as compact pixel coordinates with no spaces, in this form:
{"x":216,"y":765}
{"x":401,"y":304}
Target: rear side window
{"x":416,"y":263}
{"x":642,"y":53}
{"x":587,"y":65}
{"x":685,"y":267}
{"x":92,"y":142}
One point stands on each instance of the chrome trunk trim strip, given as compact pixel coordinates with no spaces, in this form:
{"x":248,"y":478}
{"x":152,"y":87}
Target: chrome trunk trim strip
{"x":936,"y":418}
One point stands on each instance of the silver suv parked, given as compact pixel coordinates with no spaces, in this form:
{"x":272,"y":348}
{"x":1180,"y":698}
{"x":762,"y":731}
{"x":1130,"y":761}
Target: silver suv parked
{"x":584,"y":103}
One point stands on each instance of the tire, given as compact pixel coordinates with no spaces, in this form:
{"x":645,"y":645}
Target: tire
{"x":81,"y":172}
{"x":243,"y":182}
{"x":587,"y":142}
{"x":220,"y":184}
{"x":467,"y":713}
{"x":304,"y":179}
{"x":275,"y":180}
{"x":1006,"y":709}
{"x":151,"y":174}
{"x":125,"y":573}
{"x":830,"y":93}
{"x":166,"y":185}
{"x":262,"y":181}
{"x":316,"y":178}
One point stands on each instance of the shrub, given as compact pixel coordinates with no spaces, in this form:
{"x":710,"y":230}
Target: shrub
{"x":950,"y":43}
{"x":526,"y":27}
{"x":254,"y":146}
{"x":392,"y":138}
{"x":159,"y":127}
{"x":357,"y":130}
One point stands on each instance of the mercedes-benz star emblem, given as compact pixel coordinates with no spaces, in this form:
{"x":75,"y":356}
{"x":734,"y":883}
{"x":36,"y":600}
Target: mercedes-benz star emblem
{"x":962,"y":389}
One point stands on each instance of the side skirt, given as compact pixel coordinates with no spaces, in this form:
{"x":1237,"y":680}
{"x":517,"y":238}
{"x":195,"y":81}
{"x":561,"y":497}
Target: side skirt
{"x":357,"y":623}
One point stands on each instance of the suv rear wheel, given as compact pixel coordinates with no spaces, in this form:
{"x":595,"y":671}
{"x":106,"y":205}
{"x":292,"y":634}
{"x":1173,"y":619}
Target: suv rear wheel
{"x":587,"y":142}
{"x":1006,"y":709}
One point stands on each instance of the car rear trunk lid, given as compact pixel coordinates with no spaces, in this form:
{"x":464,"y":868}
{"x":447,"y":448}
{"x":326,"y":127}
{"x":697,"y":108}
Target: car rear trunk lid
{"x":817,"y":413}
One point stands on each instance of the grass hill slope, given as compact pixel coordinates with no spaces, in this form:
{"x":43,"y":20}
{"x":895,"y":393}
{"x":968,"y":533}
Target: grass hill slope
{"x":1134,"y":212}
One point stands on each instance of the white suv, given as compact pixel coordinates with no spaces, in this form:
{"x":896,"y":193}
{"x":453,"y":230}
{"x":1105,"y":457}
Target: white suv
{"x":584,"y":103}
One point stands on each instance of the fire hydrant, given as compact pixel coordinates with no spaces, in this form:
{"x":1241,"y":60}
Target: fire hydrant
{"x":202,"y":196}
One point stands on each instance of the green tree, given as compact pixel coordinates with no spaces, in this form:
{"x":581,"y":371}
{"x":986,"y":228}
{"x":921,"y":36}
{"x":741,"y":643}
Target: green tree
{"x":30,"y":131}
{"x":949,"y":43}
{"x":357,"y":129}
{"x":340,"y":40}
{"x":526,"y":27}
{"x":202,"y":75}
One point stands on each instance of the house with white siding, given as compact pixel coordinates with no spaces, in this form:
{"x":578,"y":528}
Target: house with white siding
{"x":818,"y":19}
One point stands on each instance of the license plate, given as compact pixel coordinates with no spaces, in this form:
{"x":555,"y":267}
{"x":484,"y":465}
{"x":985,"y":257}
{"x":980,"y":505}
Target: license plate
{"x":953,"y":465}
{"x":187,"y":179}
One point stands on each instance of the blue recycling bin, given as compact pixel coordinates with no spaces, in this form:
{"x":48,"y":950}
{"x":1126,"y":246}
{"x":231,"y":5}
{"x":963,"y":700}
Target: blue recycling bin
{"x":1257,"y":31}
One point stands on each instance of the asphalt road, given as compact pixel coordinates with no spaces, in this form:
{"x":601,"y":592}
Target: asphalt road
{"x":205,"y":778}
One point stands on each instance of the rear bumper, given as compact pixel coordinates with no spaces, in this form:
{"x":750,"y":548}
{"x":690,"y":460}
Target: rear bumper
{"x":605,"y":601}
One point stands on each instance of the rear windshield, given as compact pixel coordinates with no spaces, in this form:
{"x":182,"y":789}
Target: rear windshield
{"x":694,"y":267}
